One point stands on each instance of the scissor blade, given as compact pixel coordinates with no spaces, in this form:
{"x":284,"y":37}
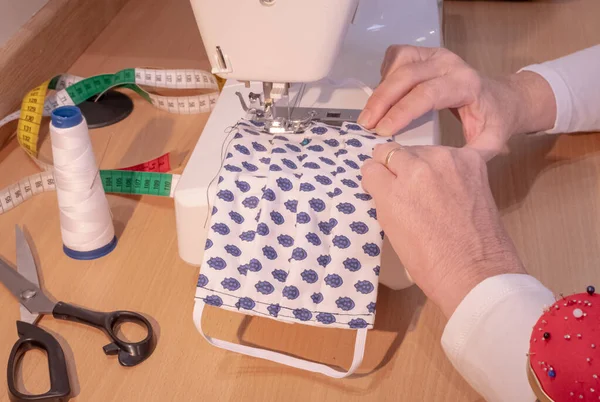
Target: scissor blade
{"x":28,"y":317}
{"x":25,"y":261}
{"x":26,"y":292}
{"x":26,"y":267}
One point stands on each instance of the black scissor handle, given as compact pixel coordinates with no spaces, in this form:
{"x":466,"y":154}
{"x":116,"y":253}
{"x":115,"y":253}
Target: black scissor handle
{"x":30,"y":337}
{"x":130,"y":353}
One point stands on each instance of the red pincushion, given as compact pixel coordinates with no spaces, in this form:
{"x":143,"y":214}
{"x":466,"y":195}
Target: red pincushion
{"x":567,"y":364}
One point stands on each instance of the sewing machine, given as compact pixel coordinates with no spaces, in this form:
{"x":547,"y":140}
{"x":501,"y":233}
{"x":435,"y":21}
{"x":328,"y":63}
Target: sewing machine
{"x":288,"y":63}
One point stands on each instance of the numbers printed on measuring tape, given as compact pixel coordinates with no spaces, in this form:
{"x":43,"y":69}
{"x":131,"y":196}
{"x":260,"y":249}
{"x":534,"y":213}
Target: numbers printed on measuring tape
{"x":136,"y":182}
{"x":30,"y":118}
{"x":113,"y":181}
{"x":16,"y":194}
{"x":73,"y":90}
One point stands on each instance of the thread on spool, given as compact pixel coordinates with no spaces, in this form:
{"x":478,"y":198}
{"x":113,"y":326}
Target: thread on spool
{"x":85,"y":219}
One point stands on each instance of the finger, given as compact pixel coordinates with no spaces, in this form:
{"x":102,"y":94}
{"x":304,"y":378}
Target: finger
{"x":395,"y":87}
{"x":396,"y":160}
{"x":403,"y":53}
{"x":398,"y":55}
{"x":384,"y":65}
{"x":438,"y":93}
{"x":376,"y":179}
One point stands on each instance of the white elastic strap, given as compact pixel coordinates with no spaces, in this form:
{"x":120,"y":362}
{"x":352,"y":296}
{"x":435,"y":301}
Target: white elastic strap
{"x":359,"y":351}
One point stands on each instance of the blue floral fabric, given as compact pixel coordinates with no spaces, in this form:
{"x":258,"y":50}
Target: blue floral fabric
{"x":293,"y":235}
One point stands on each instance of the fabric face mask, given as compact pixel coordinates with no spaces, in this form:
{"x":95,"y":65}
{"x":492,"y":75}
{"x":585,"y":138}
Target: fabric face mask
{"x":293,"y":236}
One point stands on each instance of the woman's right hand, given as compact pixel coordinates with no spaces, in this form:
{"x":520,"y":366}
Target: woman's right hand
{"x":416,"y":80}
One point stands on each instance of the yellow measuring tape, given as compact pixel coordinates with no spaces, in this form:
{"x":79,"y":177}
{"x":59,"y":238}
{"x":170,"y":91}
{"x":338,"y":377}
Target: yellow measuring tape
{"x":73,"y":90}
{"x":30,"y":120}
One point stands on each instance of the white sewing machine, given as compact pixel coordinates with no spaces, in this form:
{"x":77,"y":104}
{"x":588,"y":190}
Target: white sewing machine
{"x":288,"y":62}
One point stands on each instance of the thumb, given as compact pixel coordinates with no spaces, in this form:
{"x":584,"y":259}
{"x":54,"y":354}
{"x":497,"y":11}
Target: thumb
{"x":487,"y":144}
{"x":376,"y":178}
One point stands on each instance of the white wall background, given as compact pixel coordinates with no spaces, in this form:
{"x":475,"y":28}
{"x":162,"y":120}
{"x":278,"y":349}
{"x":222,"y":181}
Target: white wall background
{"x":15,"y":13}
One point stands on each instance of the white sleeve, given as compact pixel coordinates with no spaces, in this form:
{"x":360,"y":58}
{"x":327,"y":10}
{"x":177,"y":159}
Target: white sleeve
{"x":575,"y":81}
{"x":487,"y":337}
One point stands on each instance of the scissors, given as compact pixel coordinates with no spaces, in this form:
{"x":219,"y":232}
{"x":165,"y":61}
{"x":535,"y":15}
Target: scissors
{"x":24,"y":285}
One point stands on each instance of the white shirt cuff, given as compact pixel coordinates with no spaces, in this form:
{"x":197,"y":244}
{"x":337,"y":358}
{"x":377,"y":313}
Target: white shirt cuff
{"x":487,"y":337}
{"x":562,"y":96}
{"x":574,"y":81}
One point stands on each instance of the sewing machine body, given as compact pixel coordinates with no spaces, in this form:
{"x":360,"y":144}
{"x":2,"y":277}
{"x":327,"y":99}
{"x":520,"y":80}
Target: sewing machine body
{"x":339,"y":96}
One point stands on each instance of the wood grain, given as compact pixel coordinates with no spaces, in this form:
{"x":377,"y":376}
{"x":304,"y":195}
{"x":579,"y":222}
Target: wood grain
{"x":48,"y":44}
{"x":546,"y":189}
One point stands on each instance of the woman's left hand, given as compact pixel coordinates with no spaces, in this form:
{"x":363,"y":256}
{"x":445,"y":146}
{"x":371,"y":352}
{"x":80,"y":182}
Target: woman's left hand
{"x":436,"y":208}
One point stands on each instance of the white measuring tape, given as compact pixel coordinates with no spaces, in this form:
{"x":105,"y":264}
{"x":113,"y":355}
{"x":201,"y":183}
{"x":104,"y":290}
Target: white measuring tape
{"x":73,"y":90}
{"x":18,"y":193}
{"x":113,"y":181}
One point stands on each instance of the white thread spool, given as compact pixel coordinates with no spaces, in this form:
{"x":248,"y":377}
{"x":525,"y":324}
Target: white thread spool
{"x":85,"y":220}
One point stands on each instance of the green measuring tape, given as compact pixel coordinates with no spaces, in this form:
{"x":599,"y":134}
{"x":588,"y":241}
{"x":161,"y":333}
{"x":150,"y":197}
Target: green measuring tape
{"x":113,"y":181}
{"x":131,"y":182}
{"x":72,"y":90}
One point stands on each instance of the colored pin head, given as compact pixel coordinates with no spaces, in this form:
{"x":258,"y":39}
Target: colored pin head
{"x":567,"y":364}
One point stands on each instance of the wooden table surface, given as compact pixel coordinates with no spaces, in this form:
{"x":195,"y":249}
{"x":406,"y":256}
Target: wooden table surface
{"x":547,"y":189}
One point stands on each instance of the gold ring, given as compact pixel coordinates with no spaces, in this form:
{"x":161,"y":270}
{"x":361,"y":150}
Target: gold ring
{"x":388,"y":158}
